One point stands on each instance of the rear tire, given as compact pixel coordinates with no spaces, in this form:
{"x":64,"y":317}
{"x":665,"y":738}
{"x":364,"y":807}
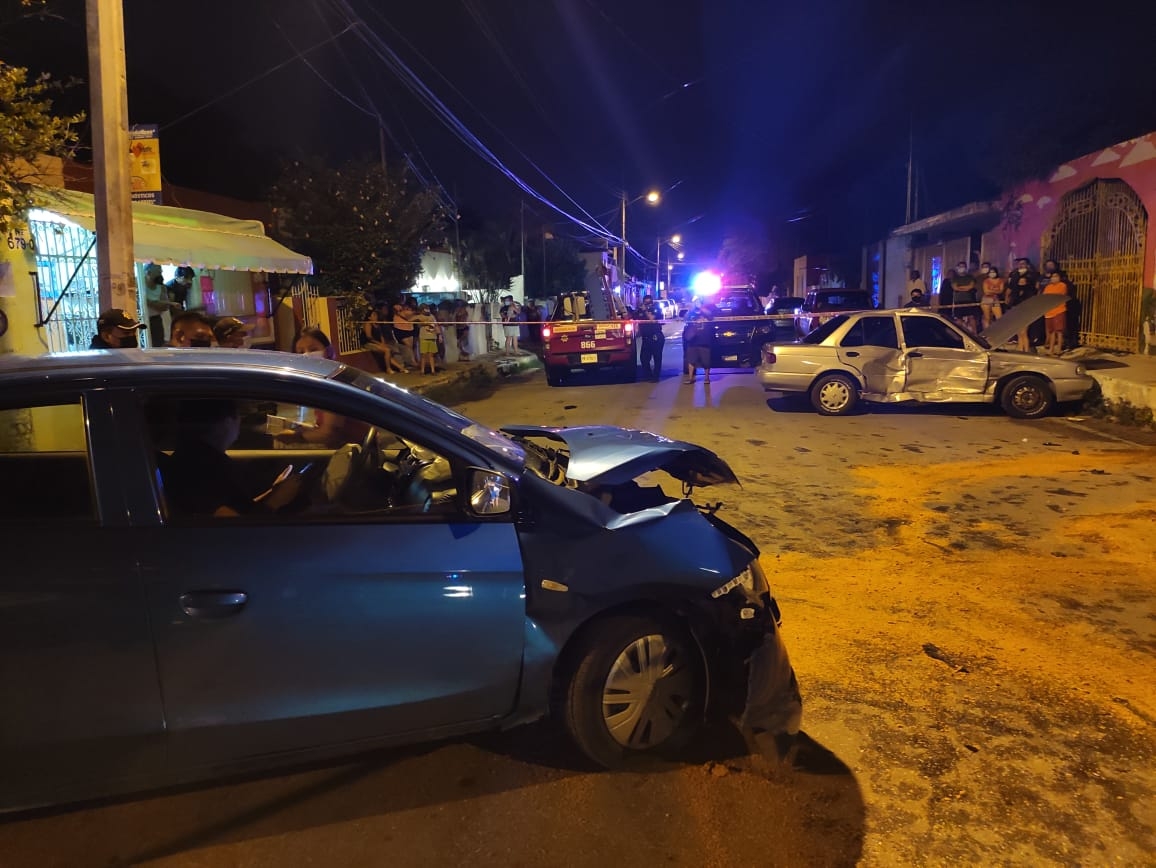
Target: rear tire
{"x":555,"y":376}
{"x":834,"y":395}
{"x":639,"y":688}
{"x":630,"y":372}
{"x":1027,"y":397}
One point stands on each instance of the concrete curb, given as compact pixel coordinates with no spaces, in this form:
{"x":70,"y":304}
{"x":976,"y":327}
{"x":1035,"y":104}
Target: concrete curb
{"x":1130,"y":378}
{"x":495,"y":364}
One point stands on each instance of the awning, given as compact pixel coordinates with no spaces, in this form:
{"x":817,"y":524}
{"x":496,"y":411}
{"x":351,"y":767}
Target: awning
{"x":180,"y":236}
{"x":974,"y":217}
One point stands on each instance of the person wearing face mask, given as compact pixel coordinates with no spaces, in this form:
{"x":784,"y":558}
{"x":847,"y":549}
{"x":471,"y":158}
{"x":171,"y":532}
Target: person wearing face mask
{"x":994,"y":290}
{"x":191,"y":329}
{"x":116,"y":330}
{"x":201,"y":479}
{"x":1022,"y":284}
{"x":313,"y":342}
{"x":963,"y":297}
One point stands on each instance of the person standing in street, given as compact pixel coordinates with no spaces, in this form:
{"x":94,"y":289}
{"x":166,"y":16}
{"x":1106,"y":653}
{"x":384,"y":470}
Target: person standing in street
{"x":178,"y":288}
{"x":915,"y":282}
{"x":651,"y":340}
{"x":1056,"y":319}
{"x":1021,"y":284}
{"x":994,"y":291}
{"x":511,"y":327}
{"x":963,"y":297}
{"x":696,"y":341}
{"x":160,"y":307}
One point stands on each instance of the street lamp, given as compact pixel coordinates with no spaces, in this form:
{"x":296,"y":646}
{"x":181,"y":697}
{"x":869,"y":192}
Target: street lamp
{"x":675,"y":241}
{"x":652,"y":197}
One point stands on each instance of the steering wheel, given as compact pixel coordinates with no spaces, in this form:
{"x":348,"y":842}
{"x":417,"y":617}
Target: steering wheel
{"x":364,"y":462}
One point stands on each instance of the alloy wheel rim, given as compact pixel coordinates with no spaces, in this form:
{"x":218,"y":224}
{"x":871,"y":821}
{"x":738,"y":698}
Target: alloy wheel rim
{"x":647,"y":692}
{"x":834,"y":395}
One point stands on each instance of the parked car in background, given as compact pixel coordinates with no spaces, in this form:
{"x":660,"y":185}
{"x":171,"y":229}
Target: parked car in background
{"x":820,"y":305}
{"x":783,"y":311}
{"x":916,"y":355}
{"x":406,"y":574}
{"x":739,"y":329}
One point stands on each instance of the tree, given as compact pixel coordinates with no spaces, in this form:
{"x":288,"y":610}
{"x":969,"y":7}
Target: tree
{"x":553,"y":266}
{"x":490,"y":257}
{"x":28,"y":131}
{"x":365,"y":229}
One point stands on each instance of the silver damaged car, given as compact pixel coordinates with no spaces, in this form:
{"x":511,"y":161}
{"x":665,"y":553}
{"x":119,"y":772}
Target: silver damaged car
{"x":917,"y":355}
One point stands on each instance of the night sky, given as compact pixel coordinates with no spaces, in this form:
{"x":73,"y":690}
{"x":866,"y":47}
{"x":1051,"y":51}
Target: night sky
{"x":790,"y":116}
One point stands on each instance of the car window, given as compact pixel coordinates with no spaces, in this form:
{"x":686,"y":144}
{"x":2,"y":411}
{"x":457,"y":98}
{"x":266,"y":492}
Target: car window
{"x":927,"y":331}
{"x":872,"y":331}
{"x":268,"y":461}
{"x":735,"y":305}
{"x":44,"y":462}
{"x":825,"y":330}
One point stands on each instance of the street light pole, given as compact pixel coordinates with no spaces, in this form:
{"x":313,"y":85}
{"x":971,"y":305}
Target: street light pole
{"x":112,"y":182}
{"x":622,"y":257}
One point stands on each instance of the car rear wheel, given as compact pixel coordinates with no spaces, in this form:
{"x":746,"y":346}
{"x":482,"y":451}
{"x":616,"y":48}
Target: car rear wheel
{"x":834,"y":395}
{"x":638,"y":688}
{"x":555,"y":376}
{"x":1027,"y":397}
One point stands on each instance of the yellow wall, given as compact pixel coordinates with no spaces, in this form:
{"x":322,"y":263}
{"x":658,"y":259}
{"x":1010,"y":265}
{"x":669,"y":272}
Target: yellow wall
{"x":18,"y":301}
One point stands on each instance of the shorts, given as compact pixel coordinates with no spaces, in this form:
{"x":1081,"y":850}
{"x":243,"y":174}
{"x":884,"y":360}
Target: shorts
{"x":402,"y":335}
{"x":1053,"y":324}
{"x":698,"y":357}
{"x":429,"y":346}
{"x":511,"y":331}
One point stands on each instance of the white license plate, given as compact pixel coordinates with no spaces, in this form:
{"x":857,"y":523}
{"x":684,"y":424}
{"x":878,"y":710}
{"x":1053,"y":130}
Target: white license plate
{"x":730,"y":358}
{"x":588,"y":358}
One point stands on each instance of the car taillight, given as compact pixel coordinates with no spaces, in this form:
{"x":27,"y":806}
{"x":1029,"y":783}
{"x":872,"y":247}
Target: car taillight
{"x":630,"y":328}
{"x":768,"y":356}
{"x":546,"y":332}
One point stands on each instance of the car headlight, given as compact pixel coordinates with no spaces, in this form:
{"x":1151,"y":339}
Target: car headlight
{"x":1080,"y":371}
{"x":752,"y":581}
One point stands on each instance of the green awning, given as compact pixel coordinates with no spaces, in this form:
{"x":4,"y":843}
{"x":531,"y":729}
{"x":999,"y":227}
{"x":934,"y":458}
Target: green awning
{"x":180,"y":236}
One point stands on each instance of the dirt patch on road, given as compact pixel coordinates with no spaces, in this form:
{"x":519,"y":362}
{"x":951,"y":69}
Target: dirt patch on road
{"x":984,"y":661}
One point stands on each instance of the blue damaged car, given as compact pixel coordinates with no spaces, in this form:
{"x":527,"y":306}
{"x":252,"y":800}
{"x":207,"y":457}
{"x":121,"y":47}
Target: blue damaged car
{"x":220,"y":561}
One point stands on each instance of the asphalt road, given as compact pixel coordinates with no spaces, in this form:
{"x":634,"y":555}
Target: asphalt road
{"x":969,"y":603}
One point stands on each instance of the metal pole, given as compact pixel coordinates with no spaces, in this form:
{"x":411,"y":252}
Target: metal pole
{"x":657,"y":266}
{"x":112,"y":183}
{"x":622,"y":258}
{"x":522,"y":215}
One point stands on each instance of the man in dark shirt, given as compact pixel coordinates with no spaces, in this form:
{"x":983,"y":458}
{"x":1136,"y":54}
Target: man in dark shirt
{"x":651,"y":339}
{"x":116,"y":330}
{"x":200,"y":479}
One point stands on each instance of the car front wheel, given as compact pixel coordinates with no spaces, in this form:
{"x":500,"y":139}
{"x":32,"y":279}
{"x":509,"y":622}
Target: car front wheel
{"x":834,"y":395}
{"x":638,"y":688}
{"x":1027,"y":397}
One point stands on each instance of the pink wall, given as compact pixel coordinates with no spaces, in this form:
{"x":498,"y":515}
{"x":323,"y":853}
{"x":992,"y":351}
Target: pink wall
{"x":1133,"y":162}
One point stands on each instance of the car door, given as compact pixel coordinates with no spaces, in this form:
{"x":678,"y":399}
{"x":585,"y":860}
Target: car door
{"x":939,"y":359}
{"x":347,"y":620}
{"x":80,"y":706}
{"x":871,"y":348}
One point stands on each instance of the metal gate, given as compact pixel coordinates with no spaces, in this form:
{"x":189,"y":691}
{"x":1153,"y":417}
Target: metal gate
{"x":1098,"y":239}
{"x":68,"y":299}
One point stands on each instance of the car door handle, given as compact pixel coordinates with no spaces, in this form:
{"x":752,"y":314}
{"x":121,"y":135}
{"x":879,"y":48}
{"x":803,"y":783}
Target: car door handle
{"x":852,"y":354}
{"x":915,"y":355}
{"x":213,"y":604}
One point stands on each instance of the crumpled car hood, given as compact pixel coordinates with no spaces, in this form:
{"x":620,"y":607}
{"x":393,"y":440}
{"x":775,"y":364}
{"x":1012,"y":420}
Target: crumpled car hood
{"x":606,"y":455}
{"x":1016,"y":319}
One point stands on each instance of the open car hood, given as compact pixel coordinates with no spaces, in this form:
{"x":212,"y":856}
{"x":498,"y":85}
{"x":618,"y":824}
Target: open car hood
{"x":1016,"y":319}
{"x":605,"y":455}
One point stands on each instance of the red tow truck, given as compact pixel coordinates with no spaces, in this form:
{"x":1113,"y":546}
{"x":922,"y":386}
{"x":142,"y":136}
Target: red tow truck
{"x":589,"y":331}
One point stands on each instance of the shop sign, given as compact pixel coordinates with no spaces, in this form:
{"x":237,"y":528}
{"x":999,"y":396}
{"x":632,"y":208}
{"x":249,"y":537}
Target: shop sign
{"x":145,"y":159}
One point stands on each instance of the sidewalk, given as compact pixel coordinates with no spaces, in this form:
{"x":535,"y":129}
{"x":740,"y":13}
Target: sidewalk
{"x":496,"y":364}
{"x":1125,"y":377}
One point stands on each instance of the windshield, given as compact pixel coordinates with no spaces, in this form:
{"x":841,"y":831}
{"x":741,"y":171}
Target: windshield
{"x":824,"y":331}
{"x":493,"y":440}
{"x":735,"y":304}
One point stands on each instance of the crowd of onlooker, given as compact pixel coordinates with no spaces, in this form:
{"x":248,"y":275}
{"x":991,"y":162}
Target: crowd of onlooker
{"x":977,"y":297}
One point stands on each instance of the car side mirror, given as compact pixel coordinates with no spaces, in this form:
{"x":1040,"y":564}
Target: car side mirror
{"x":491,"y":493}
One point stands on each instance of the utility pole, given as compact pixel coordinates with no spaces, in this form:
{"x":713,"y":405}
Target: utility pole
{"x":116,"y":275}
{"x":910,"y":170}
{"x":622,"y":258}
{"x":522,"y":215}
